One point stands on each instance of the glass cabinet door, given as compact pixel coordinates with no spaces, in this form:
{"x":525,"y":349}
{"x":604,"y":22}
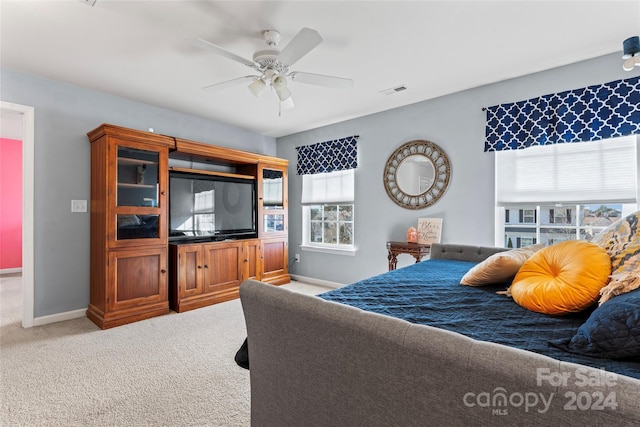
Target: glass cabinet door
{"x":273,"y":219}
{"x":137,"y":177}
{"x":272,"y":189}
{"x":137,"y":227}
{"x":137,"y":180}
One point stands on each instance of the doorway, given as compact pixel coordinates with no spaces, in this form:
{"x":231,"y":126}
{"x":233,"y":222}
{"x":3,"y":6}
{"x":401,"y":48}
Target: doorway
{"x":25,"y":115}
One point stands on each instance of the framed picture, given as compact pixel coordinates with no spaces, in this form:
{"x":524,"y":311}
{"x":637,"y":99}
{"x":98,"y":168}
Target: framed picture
{"x":429,"y":230}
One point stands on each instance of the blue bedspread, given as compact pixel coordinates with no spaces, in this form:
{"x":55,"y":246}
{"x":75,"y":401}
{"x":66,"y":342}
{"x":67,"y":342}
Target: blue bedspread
{"x":430,"y":293}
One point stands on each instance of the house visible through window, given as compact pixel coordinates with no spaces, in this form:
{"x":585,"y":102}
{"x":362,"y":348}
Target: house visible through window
{"x":577,"y":222}
{"x":548,"y":194}
{"x":331,"y":224}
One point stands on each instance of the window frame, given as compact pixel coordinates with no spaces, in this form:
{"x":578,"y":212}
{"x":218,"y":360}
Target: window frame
{"x":335,"y":248}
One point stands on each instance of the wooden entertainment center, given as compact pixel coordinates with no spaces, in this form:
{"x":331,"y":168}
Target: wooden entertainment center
{"x":137,"y":272}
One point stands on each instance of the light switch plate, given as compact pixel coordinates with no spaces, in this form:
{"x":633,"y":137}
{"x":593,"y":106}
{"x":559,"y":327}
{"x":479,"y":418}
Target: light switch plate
{"x":78,"y":206}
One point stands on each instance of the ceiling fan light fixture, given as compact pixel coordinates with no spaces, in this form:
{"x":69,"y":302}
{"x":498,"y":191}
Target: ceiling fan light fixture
{"x":279,"y":82}
{"x":283,"y":94}
{"x":287,"y":104}
{"x":257,"y":87}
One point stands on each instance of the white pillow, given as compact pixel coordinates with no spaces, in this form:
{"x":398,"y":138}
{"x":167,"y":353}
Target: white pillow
{"x":500,"y":267}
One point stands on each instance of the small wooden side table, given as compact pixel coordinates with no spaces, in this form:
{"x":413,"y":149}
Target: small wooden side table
{"x":418,"y":251}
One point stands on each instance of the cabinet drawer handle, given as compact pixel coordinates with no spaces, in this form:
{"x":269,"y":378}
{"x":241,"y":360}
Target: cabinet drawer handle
{"x":199,"y":266}
{"x":206,"y":266}
{"x":163,"y":271}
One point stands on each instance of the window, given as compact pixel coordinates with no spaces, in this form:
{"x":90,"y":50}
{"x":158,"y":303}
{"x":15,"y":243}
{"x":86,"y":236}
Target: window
{"x":327,"y":215}
{"x":578,"y":222}
{"x":560,"y":216}
{"x":525,"y":241}
{"x":548,"y":194}
{"x":528,"y":216}
{"x":331,"y":224}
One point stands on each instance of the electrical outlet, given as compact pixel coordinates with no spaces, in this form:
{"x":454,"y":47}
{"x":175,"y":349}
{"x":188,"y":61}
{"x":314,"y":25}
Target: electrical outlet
{"x":78,"y":206}
{"x":297,"y":258}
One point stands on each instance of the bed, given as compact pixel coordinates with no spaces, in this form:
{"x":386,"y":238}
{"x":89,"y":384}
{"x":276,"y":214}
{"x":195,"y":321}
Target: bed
{"x":414,"y":347}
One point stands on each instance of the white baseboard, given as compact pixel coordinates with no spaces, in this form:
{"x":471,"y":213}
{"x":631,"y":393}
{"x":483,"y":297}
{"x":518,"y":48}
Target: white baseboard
{"x":11,"y":270}
{"x":60,"y":317}
{"x":76,"y":314}
{"x":318,"y":282}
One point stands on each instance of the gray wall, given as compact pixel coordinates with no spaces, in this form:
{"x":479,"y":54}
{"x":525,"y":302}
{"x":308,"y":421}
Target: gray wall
{"x":454,"y":122}
{"x":63,"y":115}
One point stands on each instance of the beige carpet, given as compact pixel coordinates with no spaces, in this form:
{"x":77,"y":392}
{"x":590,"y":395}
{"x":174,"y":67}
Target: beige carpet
{"x":173,"y":370}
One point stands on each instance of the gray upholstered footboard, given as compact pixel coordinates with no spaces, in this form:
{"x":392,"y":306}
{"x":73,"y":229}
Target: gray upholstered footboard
{"x":319,"y":363}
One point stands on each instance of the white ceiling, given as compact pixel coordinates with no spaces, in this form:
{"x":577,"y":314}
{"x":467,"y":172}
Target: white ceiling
{"x":138,"y":49}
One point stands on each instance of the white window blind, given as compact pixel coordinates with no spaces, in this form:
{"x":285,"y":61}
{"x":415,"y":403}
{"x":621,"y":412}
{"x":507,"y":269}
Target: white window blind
{"x":605,"y":171}
{"x":272,"y":191}
{"x":331,"y":187}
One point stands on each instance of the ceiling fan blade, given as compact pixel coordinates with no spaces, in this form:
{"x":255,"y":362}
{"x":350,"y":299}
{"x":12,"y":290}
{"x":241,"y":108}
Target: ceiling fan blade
{"x":301,"y":44}
{"x":203,"y":44}
{"x":229,"y":83}
{"x":321,"y":80}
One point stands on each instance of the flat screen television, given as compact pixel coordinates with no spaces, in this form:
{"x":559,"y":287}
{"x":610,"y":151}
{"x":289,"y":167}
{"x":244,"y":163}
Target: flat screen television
{"x":211,"y":207}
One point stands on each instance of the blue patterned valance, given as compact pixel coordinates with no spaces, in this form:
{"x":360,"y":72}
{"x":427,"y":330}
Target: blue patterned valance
{"x":593,"y":113}
{"x":329,"y":156}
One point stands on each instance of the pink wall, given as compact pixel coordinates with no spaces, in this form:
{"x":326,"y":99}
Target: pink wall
{"x":10,"y":203}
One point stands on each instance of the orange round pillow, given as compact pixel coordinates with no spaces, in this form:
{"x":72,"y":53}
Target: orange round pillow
{"x":562,"y":278}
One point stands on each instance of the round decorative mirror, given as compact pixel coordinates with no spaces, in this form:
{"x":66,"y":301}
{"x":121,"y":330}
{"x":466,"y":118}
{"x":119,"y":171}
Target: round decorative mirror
{"x":417,"y":174}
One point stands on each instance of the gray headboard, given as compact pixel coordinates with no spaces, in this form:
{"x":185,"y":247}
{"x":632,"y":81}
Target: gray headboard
{"x":463,"y":252}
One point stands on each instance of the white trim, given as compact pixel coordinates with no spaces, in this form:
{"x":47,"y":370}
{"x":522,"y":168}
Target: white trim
{"x":28,"y":178}
{"x":10,"y":270}
{"x":59,"y":317}
{"x":318,"y":282}
{"x":500,"y":216}
{"x":329,"y":250}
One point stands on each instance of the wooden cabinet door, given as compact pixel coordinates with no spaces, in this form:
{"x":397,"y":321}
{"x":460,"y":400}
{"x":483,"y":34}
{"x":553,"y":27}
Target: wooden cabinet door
{"x":137,"y":278}
{"x":190,"y":270}
{"x":252,"y":259}
{"x":137,"y":202}
{"x":224,"y":264}
{"x":274,"y":261}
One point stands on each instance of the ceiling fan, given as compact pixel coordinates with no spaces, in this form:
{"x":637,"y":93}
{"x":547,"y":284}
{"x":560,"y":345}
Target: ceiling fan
{"x":274,"y":65}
